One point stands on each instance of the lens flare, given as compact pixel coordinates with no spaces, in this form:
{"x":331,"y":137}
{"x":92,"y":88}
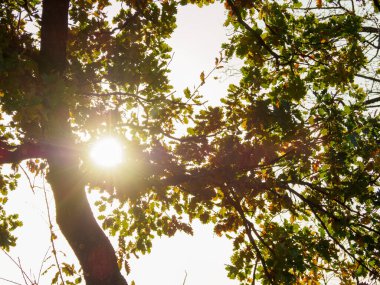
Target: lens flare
{"x":107,"y":152}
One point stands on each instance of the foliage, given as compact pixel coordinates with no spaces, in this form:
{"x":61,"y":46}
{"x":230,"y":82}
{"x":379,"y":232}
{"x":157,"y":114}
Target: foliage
{"x":8,"y":223}
{"x":287,"y":166}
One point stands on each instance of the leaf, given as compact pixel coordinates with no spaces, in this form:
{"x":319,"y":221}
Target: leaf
{"x":187,"y":93}
{"x":202,"y":77}
{"x":297,"y":5}
{"x":191,"y":131}
{"x":244,"y":124}
{"x":127,"y":267}
{"x":55,"y":278}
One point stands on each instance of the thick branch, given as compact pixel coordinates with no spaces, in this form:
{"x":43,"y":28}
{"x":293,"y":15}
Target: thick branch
{"x":29,"y":150}
{"x":9,"y":154}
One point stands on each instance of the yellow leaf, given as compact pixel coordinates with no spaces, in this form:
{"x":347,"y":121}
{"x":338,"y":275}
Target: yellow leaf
{"x":244,"y":124}
{"x":264,"y":35}
{"x":261,"y":14}
{"x":202,"y":77}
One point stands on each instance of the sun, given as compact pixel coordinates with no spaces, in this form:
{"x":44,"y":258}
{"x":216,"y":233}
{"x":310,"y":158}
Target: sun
{"x":107,"y":152}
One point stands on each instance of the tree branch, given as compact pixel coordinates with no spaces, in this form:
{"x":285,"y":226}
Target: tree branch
{"x":29,"y":150}
{"x":313,"y":208}
{"x":254,"y":33}
{"x":371,"y":30}
{"x":368,"y":77}
{"x":371,"y":101}
{"x":248,"y":228}
{"x":16,"y":154}
{"x":336,"y":241}
{"x":377,"y":4}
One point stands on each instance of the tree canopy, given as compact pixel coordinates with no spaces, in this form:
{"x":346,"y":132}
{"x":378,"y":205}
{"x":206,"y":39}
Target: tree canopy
{"x":287,"y":166}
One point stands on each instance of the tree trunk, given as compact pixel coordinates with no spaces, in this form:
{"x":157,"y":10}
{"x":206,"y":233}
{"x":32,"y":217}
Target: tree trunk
{"x":78,"y":225}
{"x":74,"y":215}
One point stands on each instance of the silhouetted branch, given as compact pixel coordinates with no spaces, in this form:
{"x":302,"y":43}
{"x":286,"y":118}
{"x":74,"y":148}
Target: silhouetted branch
{"x":368,"y":77}
{"x":254,"y":33}
{"x":371,"y":101}
{"x":248,"y":228}
{"x":377,"y":4}
{"x":29,"y":150}
{"x":371,"y":30}
{"x":141,"y":98}
{"x":15,"y":154}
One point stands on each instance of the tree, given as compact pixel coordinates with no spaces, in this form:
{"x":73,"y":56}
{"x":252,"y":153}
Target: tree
{"x":287,"y":166}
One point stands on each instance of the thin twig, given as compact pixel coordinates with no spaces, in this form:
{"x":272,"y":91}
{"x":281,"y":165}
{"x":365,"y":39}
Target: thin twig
{"x":368,"y":77}
{"x":184,"y":280}
{"x":24,"y":275}
{"x":19,"y":267}
{"x":10,"y":281}
{"x":42,"y":263}
{"x":28,"y":178}
{"x":254,"y":273}
{"x":52,"y":235}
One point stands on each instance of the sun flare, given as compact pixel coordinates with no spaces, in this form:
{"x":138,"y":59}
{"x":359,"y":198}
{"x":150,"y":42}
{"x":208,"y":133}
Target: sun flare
{"x":107,"y":152}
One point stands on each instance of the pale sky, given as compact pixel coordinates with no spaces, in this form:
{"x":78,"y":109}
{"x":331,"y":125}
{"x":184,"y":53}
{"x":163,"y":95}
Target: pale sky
{"x":196,"y":43}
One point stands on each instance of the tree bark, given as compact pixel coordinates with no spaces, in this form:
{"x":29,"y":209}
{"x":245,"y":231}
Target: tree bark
{"x":74,"y":216}
{"x":78,"y":225}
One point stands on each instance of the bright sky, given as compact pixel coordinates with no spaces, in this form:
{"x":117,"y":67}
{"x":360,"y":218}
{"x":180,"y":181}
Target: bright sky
{"x":196,"y":43}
